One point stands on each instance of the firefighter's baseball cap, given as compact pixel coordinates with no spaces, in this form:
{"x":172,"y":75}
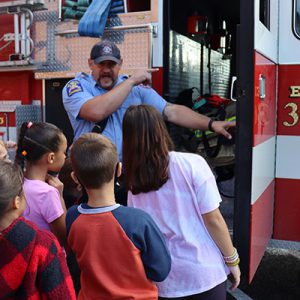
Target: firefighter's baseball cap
{"x":105,"y":50}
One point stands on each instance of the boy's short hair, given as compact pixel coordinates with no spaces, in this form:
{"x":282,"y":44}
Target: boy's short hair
{"x":94,"y":158}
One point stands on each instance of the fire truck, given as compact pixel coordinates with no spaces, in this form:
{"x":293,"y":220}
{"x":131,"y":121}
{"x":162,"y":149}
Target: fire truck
{"x":241,"y":50}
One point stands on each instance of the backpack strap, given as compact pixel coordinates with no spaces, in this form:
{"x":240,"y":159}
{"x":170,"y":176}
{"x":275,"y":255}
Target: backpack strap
{"x":100,"y":125}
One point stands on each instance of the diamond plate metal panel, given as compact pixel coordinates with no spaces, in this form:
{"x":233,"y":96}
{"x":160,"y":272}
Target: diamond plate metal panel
{"x":184,"y":64}
{"x":74,"y":52}
{"x":136,"y":18}
{"x":58,"y":53}
{"x":220,"y":73}
{"x":184,"y":67}
{"x":26,"y":113}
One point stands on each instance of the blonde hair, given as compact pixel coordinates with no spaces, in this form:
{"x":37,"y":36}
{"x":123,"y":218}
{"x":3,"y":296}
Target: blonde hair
{"x":3,"y":144}
{"x":3,"y":150}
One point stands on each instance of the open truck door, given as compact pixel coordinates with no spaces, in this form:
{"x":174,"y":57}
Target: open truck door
{"x":256,"y":130}
{"x":287,"y":204}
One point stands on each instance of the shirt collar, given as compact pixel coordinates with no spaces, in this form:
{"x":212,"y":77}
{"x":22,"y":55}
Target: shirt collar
{"x":88,"y":210}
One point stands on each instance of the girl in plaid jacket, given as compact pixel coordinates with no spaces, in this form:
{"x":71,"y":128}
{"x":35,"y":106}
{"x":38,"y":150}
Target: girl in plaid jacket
{"x":32,"y":263}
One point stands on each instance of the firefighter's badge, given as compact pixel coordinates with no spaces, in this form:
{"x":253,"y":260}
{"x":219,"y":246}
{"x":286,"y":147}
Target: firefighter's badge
{"x":74,"y":87}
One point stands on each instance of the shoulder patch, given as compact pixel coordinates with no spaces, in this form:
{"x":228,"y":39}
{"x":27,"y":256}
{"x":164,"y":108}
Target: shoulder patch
{"x":73,"y":87}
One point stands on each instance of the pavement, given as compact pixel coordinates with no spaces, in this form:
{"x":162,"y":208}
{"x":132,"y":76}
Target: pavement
{"x":278,"y":275}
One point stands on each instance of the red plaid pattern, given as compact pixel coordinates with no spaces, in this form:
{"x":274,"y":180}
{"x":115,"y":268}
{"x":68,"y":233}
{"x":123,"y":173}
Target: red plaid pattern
{"x":32,"y":264}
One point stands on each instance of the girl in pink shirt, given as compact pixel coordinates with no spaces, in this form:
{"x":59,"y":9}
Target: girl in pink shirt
{"x":41,"y":149}
{"x":179,"y":191}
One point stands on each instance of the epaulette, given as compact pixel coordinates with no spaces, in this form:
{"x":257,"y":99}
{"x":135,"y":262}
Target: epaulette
{"x":124,"y":76}
{"x":83,"y":75}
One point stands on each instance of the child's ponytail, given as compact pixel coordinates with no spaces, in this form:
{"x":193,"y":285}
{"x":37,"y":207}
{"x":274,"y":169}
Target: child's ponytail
{"x":36,"y":139}
{"x":21,"y":153}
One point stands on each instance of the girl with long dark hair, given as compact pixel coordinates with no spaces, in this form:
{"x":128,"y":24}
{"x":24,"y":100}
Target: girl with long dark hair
{"x":179,"y":191}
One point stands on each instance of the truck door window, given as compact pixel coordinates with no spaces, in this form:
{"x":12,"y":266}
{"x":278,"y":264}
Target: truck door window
{"x":264,"y":12}
{"x":296,"y":18}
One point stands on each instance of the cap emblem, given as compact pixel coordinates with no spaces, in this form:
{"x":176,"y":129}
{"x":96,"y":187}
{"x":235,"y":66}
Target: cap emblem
{"x":107,"y":50}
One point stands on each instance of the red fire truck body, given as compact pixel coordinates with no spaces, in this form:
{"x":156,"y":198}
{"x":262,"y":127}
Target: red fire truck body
{"x":40,"y":51}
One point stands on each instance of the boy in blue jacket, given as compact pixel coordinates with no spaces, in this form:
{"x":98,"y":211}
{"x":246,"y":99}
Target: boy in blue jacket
{"x":120,"y":250}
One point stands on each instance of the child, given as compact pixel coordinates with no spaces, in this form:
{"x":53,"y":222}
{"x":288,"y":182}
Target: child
{"x":3,"y":151}
{"x":179,"y":191}
{"x":5,"y":148}
{"x":32,"y":263}
{"x":72,"y":191}
{"x":41,"y":149}
{"x":120,"y":250}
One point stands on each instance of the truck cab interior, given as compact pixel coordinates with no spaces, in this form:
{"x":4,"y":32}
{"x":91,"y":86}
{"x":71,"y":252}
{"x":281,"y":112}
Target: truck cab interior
{"x":199,"y":70}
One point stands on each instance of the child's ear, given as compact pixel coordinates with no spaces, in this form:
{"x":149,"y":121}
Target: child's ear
{"x":16,"y":203}
{"x":119,"y":169}
{"x":51,"y":157}
{"x":74,"y":177}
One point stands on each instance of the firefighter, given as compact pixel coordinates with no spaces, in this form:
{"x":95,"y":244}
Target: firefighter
{"x":103,"y":96}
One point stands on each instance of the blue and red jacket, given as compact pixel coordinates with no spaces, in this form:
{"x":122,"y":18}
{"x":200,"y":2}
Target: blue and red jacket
{"x":120,"y":252}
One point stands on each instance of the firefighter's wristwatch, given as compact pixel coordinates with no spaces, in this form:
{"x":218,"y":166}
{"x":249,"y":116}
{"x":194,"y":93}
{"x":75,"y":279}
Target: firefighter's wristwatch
{"x":210,"y":125}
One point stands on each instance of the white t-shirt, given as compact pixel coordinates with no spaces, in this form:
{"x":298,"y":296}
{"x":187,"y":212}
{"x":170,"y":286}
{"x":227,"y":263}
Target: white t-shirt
{"x":197,"y":263}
